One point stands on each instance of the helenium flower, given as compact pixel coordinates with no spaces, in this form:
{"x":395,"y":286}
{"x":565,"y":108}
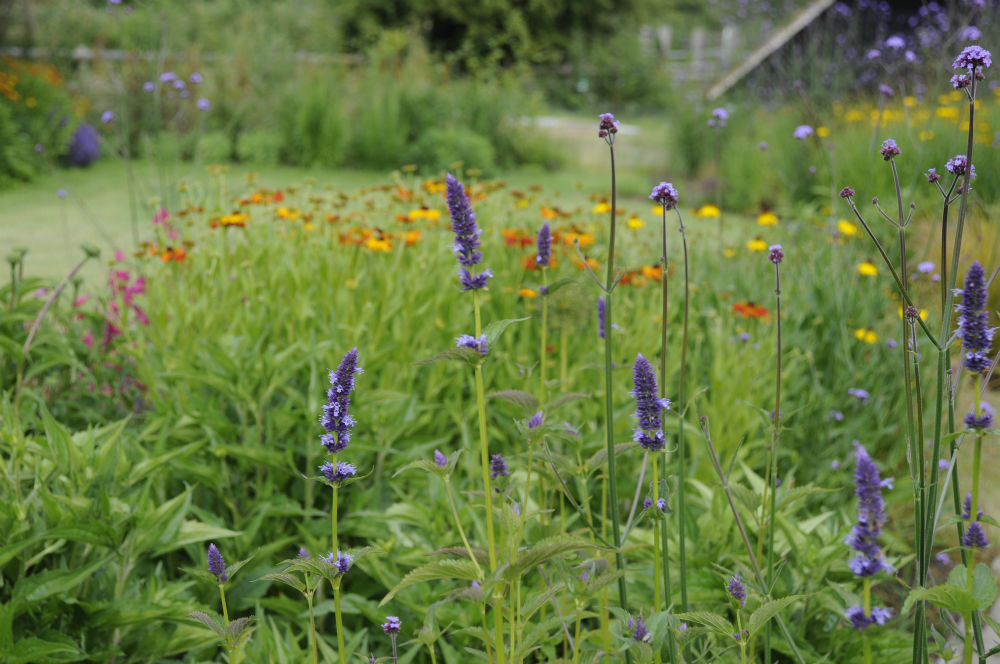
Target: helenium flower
{"x":336,"y":419}
{"x":544,"y":243}
{"x":216,"y":564}
{"x":648,"y":405}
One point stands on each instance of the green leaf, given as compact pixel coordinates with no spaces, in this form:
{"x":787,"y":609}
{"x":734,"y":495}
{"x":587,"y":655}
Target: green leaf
{"x":768,"y":610}
{"x":423,"y":464}
{"x":496,"y":328}
{"x":211,"y":622}
{"x":465,"y":354}
{"x":946,"y":596}
{"x":545,"y":550}
{"x":984,"y":585}
{"x":713,"y":622}
{"x":239,"y":631}
{"x":559,"y":283}
{"x":32,"y":650}
{"x":519,"y":398}
{"x":287,"y":579}
{"x":192,"y":532}
{"x":439,"y":569}
{"x":55,"y":582}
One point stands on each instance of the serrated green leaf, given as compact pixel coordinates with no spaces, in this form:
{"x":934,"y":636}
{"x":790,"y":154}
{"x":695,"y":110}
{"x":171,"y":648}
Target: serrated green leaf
{"x":465,"y":354}
{"x":713,"y":622}
{"x":192,"y":532}
{"x":423,"y":464}
{"x":439,"y":569}
{"x":39,"y":586}
{"x":559,"y":283}
{"x":545,"y":550}
{"x":287,"y":579}
{"x":984,"y":586}
{"x":946,"y":596}
{"x":461,"y":552}
{"x":209,"y":621}
{"x":768,"y":610}
{"x":33,"y":650}
{"x":519,"y":398}
{"x":496,"y":328}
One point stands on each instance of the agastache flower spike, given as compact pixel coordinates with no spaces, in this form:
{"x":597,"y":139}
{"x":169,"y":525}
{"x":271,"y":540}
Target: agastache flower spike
{"x":649,"y":405}
{"x":972,"y":321}
{"x":338,"y":474}
{"x":475,"y":343}
{"x":544,"y":243}
{"x":536,"y":420}
{"x":871,"y":516}
{"x":342,"y":561}
{"x":736,"y":589}
{"x":639,"y":631}
{"x":336,"y":420}
{"x":463,"y":224}
{"x":216,"y":565}
{"x":498,"y":467}
{"x":440,"y":459}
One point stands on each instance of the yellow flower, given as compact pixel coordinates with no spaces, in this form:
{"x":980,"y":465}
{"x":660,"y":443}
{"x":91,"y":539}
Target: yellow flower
{"x":658,"y":210}
{"x":926,"y":135}
{"x":909,"y":101}
{"x":376,"y":244}
{"x":867,"y":269}
{"x":867,"y":335}
{"x":757,"y":245}
{"x":635,"y":222}
{"x":767,"y":218}
{"x":308,"y":227}
{"x":708,"y":211}
{"x":854,"y":116}
{"x":527,"y":293}
{"x":822,"y":132}
{"x":729,"y":253}
{"x":846,"y":228}
{"x":601,"y":208}
{"x":946,"y":113}
{"x":523,"y":203}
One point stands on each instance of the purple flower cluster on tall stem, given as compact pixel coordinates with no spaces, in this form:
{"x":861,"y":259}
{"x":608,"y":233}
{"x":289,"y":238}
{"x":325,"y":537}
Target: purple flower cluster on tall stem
{"x":475,"y":343}
{"x":648,"y":406}
{"x":466,"y":247}
{"x":973,"y":320}
{"x":737,"y":590}
{"x":544,"y":244}
{"x":871,"y":516}
{"x":336,"y":419}
{"x":216,"y":564}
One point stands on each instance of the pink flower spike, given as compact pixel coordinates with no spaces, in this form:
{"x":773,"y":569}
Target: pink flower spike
{"x":119,"y":255}
{"x":88,"y":339}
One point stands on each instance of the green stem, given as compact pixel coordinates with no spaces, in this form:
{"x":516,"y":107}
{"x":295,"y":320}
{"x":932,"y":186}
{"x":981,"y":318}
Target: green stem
{"x":545,"y":325}
{"x":742,"y":641}
{"x":486,"y":633}
{"x":483,"y":445}
{"x":664,"y":542}
{"x":772,"y":472}
{"x":576,"y":635}
{"x":461,"y":531}
{"x":333,"y":514}
{"x":868,"y":611}
{"x":609,"y":411}
{"x":681,"y":438}
{"x":312,"y":627}
{"x":656,"y":551}
{"x":225,"y":616}
{"x":340,"y":623}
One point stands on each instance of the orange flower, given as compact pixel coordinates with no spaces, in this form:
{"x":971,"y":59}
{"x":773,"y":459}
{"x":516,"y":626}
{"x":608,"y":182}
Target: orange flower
{"x":750,"y":310}
{"x":527,"y":293}
{"x":652,"y":272}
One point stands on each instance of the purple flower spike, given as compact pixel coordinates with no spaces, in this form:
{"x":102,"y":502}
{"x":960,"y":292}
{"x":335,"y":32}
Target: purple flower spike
{"x":736,"y":589}
{"x":342,"y":561}
{"x":392,"y":625}
{"x":972,"y":321}
{"x":336,"y":420}
{"x":776,"y":254}
{"x":661,"y":504}
{"x":338,"y":474}
{"x":638,"y":627}
{"x":544,"y":243}
{"x":974,"y":537}
{"x":666,"y":195}
{"x":498,"y":467}
{"x":647,"y":503}
{"x":475,"y":343}
{"x":216,"y":565}
{"x":302,"y":553}
{"x":972,"y":58}
{"x":463,"y":224}
{"x":860,"y":621}
{"x":871,"y":516}
{"x":440,"y":459}
{"x":600,"y":316}
{"x":983,"y":421}
{"x":536,"y":420}
{"x":889,"y":149}
{"x":648,"y":406}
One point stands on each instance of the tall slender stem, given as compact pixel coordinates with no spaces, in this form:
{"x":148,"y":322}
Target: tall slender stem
{"x":868,"y":611}
{"x":772,"y":472}
{"x":312,"y":627}
{"x":340,"y":623}
{"x":681,"y":438}
{"x":664,"y":542}
{"x":461,"y":531}
{"x":609,"y":411}
{"x":545,"y":325}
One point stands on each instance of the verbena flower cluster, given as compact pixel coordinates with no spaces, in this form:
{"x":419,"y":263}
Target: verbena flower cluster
{"x":958,"y":164}
{"x":648,"y":405}
{"x":392,"y":625}
{"x":889,"y":149}
{"x":608,"y":127}
{"x":466,"y":247}
{"x":666,"y":195}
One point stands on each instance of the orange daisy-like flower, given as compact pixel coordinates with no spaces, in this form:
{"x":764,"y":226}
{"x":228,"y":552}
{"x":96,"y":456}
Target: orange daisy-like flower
{"x":750,"y":309}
